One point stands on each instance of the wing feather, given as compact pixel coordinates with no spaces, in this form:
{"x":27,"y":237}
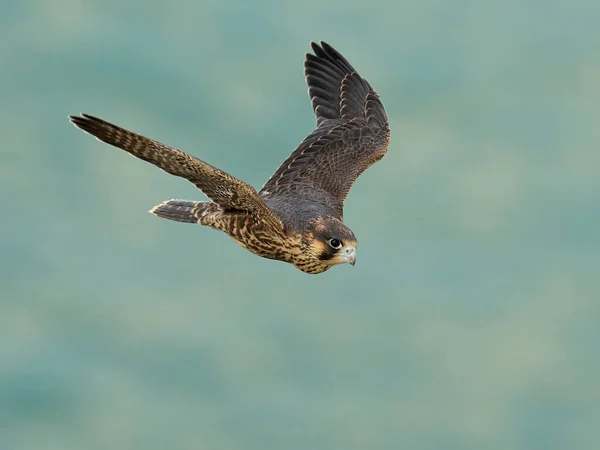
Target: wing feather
{"x":225,"y":190}
{"x":352,"y":131}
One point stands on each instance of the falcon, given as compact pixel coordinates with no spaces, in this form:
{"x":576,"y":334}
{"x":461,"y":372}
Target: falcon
{"x":297,"y":216}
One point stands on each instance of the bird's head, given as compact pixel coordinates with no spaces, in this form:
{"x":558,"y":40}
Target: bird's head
{"x":327,"y":242}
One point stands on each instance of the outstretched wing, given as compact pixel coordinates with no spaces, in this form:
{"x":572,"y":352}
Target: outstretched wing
{"x":225,"y":190}
{"x":352,"y":131}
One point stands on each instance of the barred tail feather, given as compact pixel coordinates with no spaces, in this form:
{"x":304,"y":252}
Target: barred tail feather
{"x":179,"y":210}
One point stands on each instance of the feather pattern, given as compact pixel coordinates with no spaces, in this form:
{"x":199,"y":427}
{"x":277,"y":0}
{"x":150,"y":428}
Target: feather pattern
{"x":352,"y":134}
{"x":225,"y":190}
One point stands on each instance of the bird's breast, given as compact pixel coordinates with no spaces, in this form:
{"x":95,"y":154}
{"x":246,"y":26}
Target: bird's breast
{"x":261,"y":239}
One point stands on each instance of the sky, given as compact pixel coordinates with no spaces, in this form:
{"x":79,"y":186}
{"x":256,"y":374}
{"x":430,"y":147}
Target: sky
{"x":471,"y":317}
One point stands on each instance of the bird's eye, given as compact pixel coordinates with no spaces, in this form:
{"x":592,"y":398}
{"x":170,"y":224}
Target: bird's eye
{"x":335,"y":243}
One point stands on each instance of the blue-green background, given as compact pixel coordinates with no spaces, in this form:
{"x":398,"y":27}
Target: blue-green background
{"x":471,"y":319}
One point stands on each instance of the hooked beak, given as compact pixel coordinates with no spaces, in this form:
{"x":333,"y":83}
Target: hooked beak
{"x":349,"y":254}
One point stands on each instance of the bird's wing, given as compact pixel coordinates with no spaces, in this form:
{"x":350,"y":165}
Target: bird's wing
{"x":337,"y":92}
{"x":352,"y":130}
{"x":225,"y":190}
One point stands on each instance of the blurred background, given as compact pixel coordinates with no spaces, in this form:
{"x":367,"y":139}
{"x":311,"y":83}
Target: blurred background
{"x":471,"y":317}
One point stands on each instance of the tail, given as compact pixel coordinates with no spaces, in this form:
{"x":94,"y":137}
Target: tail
{"x":181,"y":210}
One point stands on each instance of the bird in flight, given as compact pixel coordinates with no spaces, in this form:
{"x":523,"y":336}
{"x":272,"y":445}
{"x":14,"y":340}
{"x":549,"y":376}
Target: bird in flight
{"x":297,"y":216}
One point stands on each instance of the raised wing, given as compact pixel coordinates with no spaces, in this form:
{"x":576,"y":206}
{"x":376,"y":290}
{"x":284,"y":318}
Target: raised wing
{"x":225,"y":190}
{"x":352,"y":131}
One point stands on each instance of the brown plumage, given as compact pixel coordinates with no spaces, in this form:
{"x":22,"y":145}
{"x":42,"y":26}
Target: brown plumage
{"x":297,"y":216}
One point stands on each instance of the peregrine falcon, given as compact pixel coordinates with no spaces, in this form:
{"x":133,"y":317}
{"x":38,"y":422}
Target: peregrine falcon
{"x":297,"y":216}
